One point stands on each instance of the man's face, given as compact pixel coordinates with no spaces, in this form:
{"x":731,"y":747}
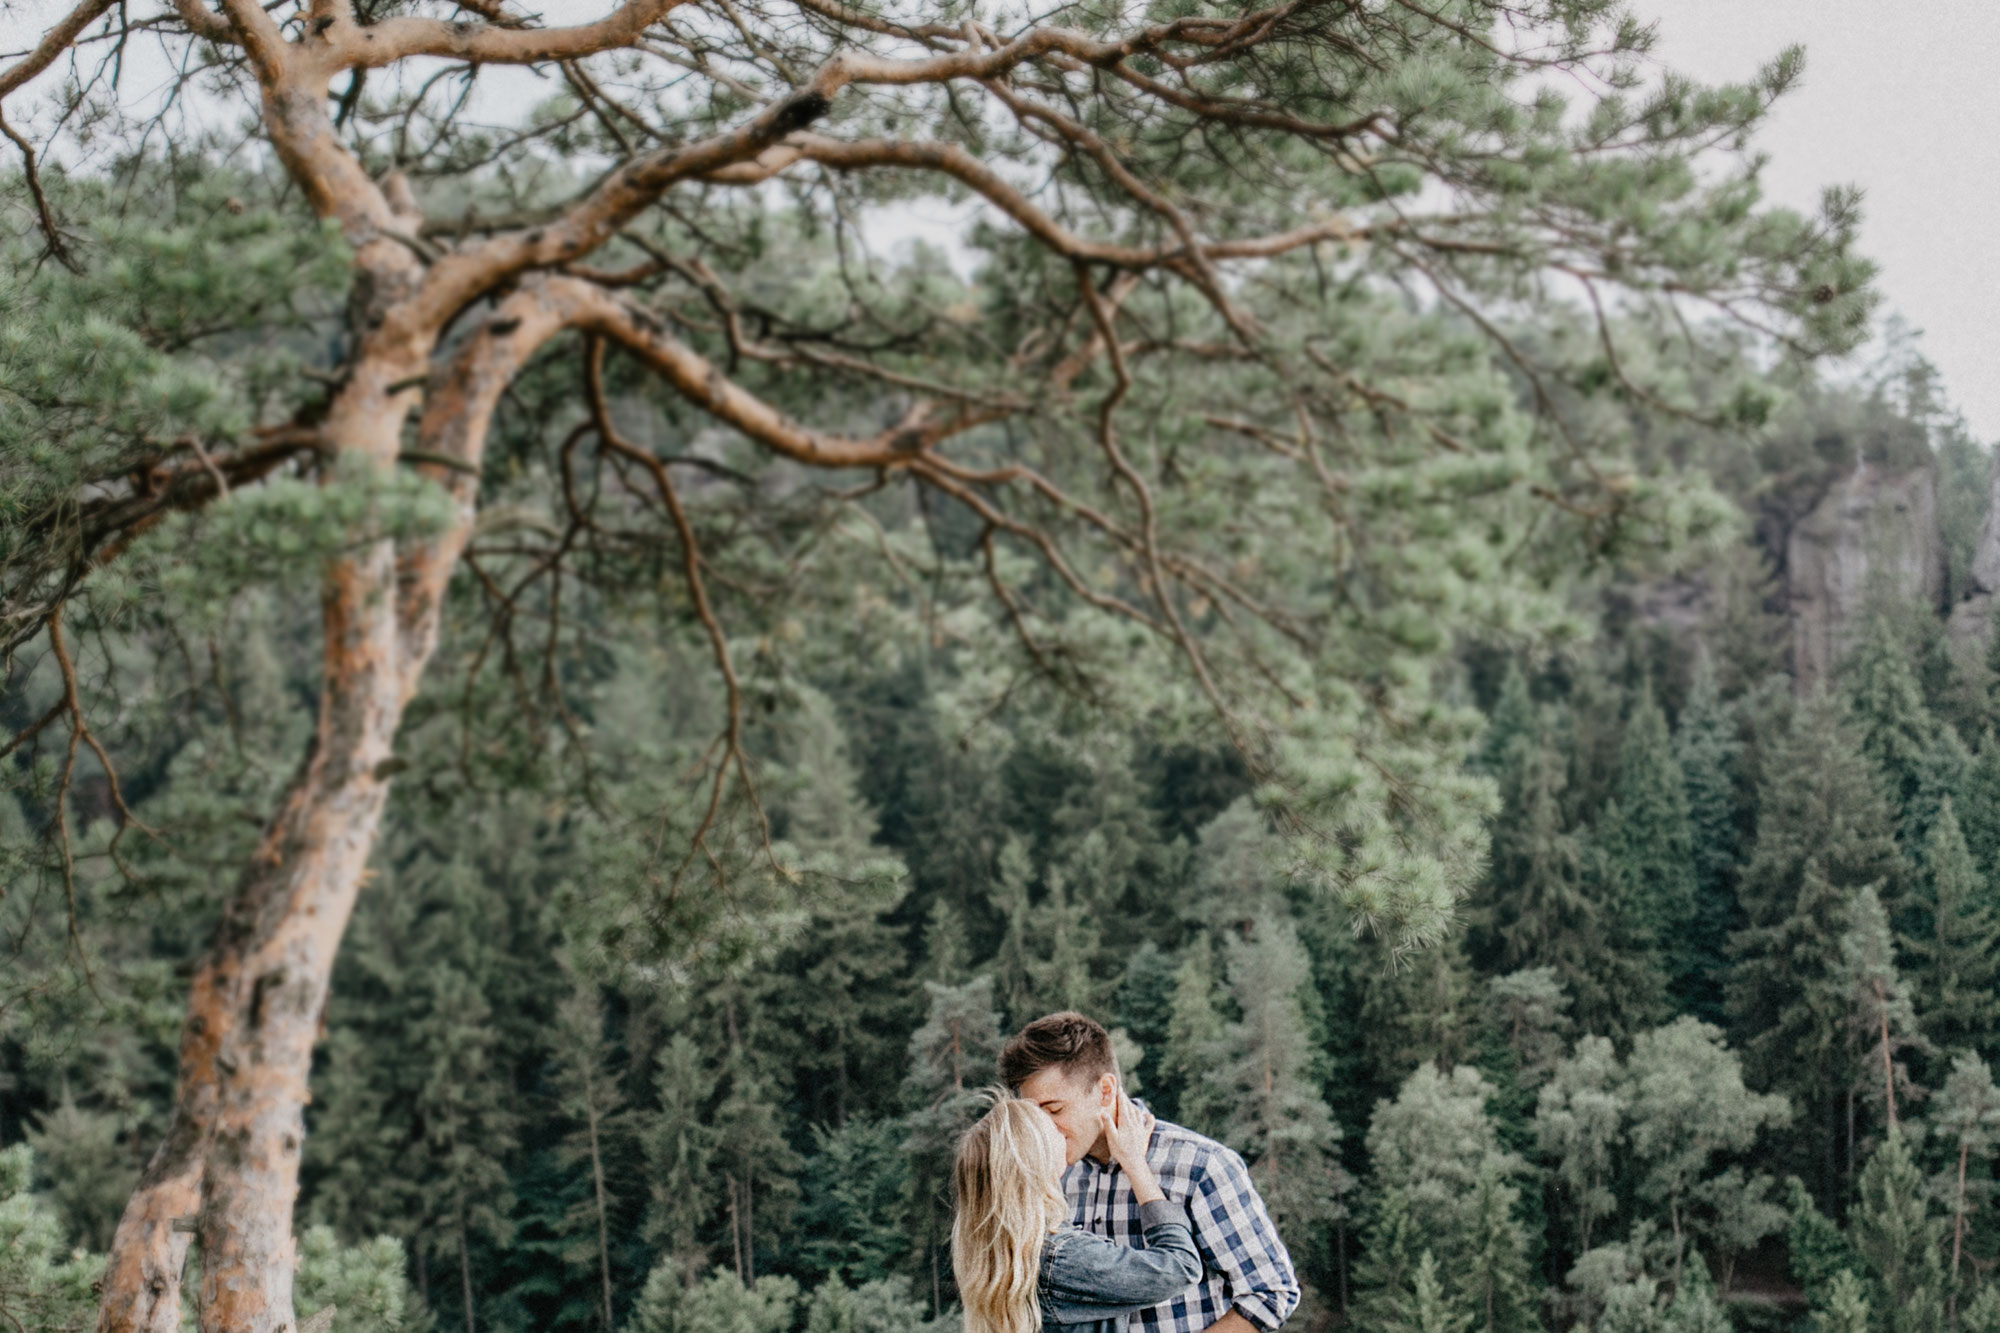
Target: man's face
{"x":1072,"y":1099}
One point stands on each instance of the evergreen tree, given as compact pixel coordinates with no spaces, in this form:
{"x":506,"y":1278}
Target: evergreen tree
{"x":758,"y":1166}
{"x":1880,"y":1012}
{"x":1823,"y":831}
{"x":680,"y":1149}
{"x":1895,"y":729}
{"x":1648,"y":836}
{"x":1194,"y":1040}
{"x":1847,"y":1309}
{"x":1429,"y":1310}
{"x":1706,"y":746}
{"x":1579,"y":1123}
{"x":947,"y":945}
{"x":1821,"y":1254}
{"x":1687,"y":1105}
{"x":1977,"y":806}
{"x":1278,"y":1121}
{"x":1062,"y":966}
{"x":1544,"y":913}
{"x":1511,"y":725}
{"x":1143,"y":1007}
{"x":1898,"y":1237}
{"x":951,"y":1057}
{"x":589,"y":1097}
{"x":1433,"y":1146}
{"x":1385,"y":1279}
{"x":44,"y":1284}
{"x":854,"y":1195}
{"x":1958,"y":960}
{"x":1008,"y":895}
{"x":1967,"y":1117}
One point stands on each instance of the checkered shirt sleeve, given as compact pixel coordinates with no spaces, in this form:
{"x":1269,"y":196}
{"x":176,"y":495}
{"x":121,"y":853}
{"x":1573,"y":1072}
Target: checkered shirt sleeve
{"x":1236,"y":1239}
{"x":1246,"y":1265}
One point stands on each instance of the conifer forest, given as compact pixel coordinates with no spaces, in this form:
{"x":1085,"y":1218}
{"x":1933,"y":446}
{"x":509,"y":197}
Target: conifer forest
{"x":566,"y":678}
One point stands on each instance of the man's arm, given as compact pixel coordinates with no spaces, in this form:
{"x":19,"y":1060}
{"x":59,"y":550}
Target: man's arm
{"x":1233,"y":1231}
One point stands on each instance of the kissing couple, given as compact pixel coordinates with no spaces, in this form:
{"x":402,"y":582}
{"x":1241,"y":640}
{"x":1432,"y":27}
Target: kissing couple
{"x":1077,"y":1209}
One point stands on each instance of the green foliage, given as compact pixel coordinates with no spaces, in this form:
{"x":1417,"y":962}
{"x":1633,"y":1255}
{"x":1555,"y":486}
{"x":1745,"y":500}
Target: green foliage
{"x":44,"y":1288}
{"x":1650,"y":840}
{"x":1896,"y":1234}
{"x":720,"y":1303}
{"x":1960,"y":955}
{"x":367,"y":1284}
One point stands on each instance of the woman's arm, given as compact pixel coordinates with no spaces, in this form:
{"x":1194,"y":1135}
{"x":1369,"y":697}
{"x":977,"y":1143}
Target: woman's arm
{"x":1096,"y":1278}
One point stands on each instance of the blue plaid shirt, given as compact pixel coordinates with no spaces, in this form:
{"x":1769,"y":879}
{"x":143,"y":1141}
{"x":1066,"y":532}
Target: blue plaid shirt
{"x":1246,"y":1265}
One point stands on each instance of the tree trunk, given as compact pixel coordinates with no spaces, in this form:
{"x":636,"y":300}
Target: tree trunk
{"x":1888,"y":1058}
{"x":1957,"y":1234}
{"x":229,"y":1165}
{"x":465,"y":1270}
{"x":603,"y":1225}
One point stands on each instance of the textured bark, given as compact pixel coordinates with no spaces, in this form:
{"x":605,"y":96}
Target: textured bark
{"x":230,"y":1162}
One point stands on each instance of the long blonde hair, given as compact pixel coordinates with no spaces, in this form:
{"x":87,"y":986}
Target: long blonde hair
{"x":1008,"y":1203}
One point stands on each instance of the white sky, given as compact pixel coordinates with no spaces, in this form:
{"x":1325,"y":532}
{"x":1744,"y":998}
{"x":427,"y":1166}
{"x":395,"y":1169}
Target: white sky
{"x":1900,"y":97}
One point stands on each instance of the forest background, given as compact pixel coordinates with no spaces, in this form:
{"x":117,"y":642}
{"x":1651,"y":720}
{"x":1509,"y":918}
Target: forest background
{"x":1705,"y":1043}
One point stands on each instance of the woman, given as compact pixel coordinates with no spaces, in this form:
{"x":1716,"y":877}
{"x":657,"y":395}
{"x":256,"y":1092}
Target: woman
{"x":1020,"y":1263}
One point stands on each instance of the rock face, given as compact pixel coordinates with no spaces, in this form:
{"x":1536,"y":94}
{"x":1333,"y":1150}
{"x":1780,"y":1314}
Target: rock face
{"x":1874,"y":535}
{"x":1972,"y":618}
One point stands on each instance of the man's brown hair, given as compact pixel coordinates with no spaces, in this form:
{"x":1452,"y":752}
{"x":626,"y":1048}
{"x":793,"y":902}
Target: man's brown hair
{"x":1070,"y":1039}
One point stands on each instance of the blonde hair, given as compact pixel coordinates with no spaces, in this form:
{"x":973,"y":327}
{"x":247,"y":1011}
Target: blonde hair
{"x":1008,"y":1203}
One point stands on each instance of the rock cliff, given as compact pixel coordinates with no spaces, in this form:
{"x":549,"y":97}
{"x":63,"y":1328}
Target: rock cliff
{"x":1874,"y":534}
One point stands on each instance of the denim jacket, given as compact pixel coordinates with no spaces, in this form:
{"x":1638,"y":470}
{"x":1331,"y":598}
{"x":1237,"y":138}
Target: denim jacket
{"x":1089,"y":1284}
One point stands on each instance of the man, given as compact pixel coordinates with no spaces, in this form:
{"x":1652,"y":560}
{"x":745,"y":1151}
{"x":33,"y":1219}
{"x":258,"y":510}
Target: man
{"x":1064,"y":1064}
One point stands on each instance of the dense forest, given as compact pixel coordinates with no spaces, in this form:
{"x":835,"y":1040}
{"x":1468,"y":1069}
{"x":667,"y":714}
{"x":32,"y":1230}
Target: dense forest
{"x":1707,"y":1046}
{"x":559,"y":705}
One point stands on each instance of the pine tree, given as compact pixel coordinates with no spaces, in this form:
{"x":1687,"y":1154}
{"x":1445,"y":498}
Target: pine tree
{"x":1820,"y":1252}
{"x":1498,"y":1282}
{"x":1687,"y":1104}
{"x":1278,"y":1121}
{"x":1895,"y":728}
{"x":1648,"y":835}
{"x":1430,"y":1312}
{"x":1194,"y":1040}
{"x":1144,"y":1006}
{"x":1967,"y":1116}
{"x":1579,"y":1122}
{"x":1823,"y":831}
{"x":1009,"y":897}
{"x":1385,"y":1279}
{"x":1062,"y":967}
{"x":854,"y":1193}
{"x":1977,"y":805}
{"x":1513,"y":722}
{"x":947,"y":945}
{"x":1898,"y":1237}
{"x":680,"y":1147}
{"x":1880,"y":1012}
{"x":1847,"y":1309}
{"x":758,"y":1166}
{"x":1433,"y":1146}
{"x":1708,"y":751}
{"x":1544,"y":913}
{"x":1958,"y":960}
{"x":469,"y":1122}
{"x":951,"y":1057}
{"x":44,"y":1284}
{"x":589,"y":1096}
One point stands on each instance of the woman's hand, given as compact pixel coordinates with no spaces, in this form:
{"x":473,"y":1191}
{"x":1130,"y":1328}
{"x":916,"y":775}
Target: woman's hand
{"x":1128,"y":1132}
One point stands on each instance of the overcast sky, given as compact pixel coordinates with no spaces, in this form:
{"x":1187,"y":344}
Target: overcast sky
{"x":1900,"y":97}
